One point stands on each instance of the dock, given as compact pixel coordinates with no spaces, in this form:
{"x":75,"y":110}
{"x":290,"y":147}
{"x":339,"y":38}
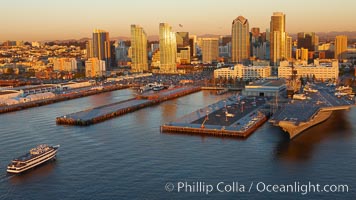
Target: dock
{"x":102,"y":113}
{"x":59,"y":98}
{"x":235,"y":116}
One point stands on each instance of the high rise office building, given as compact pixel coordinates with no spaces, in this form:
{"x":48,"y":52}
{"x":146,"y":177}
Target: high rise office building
{"x":183,"y":48}
{"x":307,"y":41}
{"x":289,"y":45}
{"x":182,"y":39}
{"x":240,"y":39}
{"x":121,"y":53}
{"x":89,"y":48}
{"x":139,"y":56}
{"x":102,"y":46}
{"x":277,"y":38}
{"x":168,"y":49}
{"x":340,"y":46}
{"x":193,"y":45}
{"x":210,"y":49}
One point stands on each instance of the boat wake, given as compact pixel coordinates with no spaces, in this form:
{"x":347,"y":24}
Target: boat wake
{"x":6,"y":177}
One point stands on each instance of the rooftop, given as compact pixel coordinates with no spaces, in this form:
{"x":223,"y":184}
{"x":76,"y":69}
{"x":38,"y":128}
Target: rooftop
{"x":268,"y":83}
{"x":5,"y":92}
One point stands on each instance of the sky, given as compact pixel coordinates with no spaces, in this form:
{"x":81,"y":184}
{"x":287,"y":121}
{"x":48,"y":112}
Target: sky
{"x":38,"y":20}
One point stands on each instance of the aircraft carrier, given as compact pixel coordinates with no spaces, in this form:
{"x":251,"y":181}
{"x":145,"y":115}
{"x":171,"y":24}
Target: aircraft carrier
{"x":320,"y":101}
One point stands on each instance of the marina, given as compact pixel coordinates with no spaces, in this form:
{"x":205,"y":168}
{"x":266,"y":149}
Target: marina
{"x":102,"y":113}
{"x":236,"y":116}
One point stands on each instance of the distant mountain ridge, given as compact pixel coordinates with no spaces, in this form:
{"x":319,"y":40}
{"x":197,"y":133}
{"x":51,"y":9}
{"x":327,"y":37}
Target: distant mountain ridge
{"x":322,"y":36}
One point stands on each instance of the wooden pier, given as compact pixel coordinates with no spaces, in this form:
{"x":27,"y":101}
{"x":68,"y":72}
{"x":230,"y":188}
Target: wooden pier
{"x":102,"y":113}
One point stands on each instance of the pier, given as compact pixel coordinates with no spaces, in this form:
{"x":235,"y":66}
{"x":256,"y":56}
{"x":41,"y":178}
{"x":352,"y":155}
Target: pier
{"x":235,"y":116}
{"x":102,"y":113}
{"x":59,"y":98}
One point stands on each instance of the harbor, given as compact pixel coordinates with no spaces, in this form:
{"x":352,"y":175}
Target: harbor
{"x":102,"y":113}
{"x":236,"y":116}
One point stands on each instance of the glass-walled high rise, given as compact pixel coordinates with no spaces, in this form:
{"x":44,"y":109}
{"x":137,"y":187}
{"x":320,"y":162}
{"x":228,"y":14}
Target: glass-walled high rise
{"x":139,"y":55}
{"x":168,"y":49}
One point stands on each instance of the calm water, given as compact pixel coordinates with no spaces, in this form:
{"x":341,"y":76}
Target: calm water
{"x":128,"y":158}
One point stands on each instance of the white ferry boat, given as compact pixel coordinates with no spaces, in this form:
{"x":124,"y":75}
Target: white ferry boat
{"x":35,"y":157}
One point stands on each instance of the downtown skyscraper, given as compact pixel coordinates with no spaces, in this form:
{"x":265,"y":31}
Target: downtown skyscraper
{"x":307,"y":40}
{"x":101,"y":46}
{"x":340,"y":46}
{"x":240,"y":39}
{"x":210,"y":50}
{"x":139,"y":54}
{"x":168,"y":49}
{"x":278,"y":38}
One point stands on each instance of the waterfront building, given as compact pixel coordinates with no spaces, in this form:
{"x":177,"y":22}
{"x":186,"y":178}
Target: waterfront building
{"x":244,"y":72}
{"x":9,"y":94}
{"x":95,"y":67}
{"x":210,"y":49}
{"x":267,"y":88}
{"x":240,"y":39}
{"x":167,"y":48}
{"x":139,"y":55}
{"x":322,"y":69}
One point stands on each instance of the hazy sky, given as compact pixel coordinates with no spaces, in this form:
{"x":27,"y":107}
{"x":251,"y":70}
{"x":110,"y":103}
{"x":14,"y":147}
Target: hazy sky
{"x":73,"y":19}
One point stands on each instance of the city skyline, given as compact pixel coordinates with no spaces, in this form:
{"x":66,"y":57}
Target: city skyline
{"x":42,"y":20}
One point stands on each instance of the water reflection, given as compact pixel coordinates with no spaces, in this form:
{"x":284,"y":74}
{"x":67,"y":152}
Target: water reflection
{"x":205,"y":137}
{"x":101,"y":98}
{"x":301,"y":148}
{"x":169,"y":109}
{"x":38,"y":172}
